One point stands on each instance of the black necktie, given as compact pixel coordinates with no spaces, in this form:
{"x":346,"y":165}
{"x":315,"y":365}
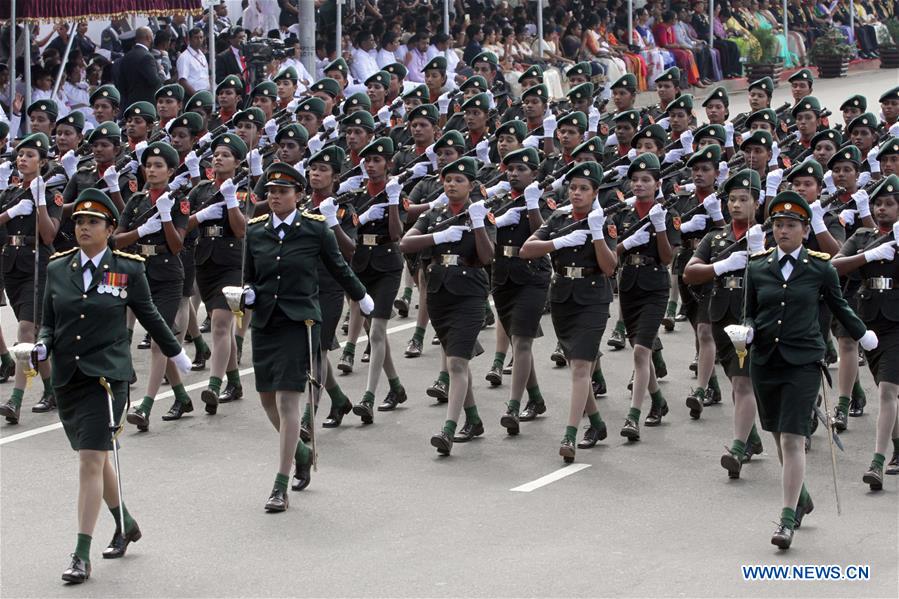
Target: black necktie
{"x":787,"y":258}
{"x":89,"y":265}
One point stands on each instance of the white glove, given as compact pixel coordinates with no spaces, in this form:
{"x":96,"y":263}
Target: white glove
{"x":728,"y":135}
{"x":723,"y":172}
{"x":400,"y":110}
{"x":712,"y":205}
{"x":56,"y":179}
{"x":375,"y":212}
{"x":596,"y":220}
{"x":886,"y":251}
{"x":213,"y":212}
{"x":863,"y":179}
{"x":111,"y":178}
{"x":255,"y":160}
{"x":477,"y":212}
{"x":419,"y":170}
{"x":775,"y":154}
{"x":350,"y":184}
{"x":510,"y":218}
{"x":631,"y":154}
{"x":205,"y":140}
{"x":182,"y":362}
{"x":566,"y":209}
{"x":862,"y":203}
{"x":817,"y":219}
{"x":192,"y":162}
{"x":847,"y":217}
{"x":5,"y":172}
{"x":153,"y":225}
{"x":139,"y":149}
{"x":292,"y":105}
{"x":131,"y":168}
{"x":366,"y":304}
{"x":772,"y":182}
{"x":531,"y":141}
{"x":249,"y":296}
{"x":443,"y":102}
{"x":872,"y":160}
{"x":491,"y":101}
{"x":621,"y":171}
{"x":229,"y":191}
{"x":755,"y":239}
{"x":532,"y":195}
{"x":640,"y":237}
{"x":686,"y":141}
{"x":894,"y":130}
{"x":828,"y":183}
{"x":673,"y":156}
{"x":431,"y":154}
{"x":393,"y":190}
{"x":558,"y":183}
{"x":182,"y":180}
{"x":688,"y":187}
{"x":697,"y":223}
{"x":328,"y":209}
{"x":665,"y":123}
{"x":482,"y":150}
{"x":549,"y":124}
{"x":164,"y":205}
{"x":301,"y":167}
{"x":895,"y":231}
{"x":501,"y":187}
{"x":329,"y":122}
{"x":70,"y":163}
{"x":630,"y":201}
{"x":572,"y":240}
{"x":868,"y":340}
{"x":23,"y":208}
{"x":593,"y":118}
{"x":40,"y":351}
{"x":384,"y":115}
{"x":314,"y":144}
{"x":736,"y":261}
{"x":441,"y":200}
{"x":39,"y":190}
{"x":271,"y":129}
{"x":451,"y":234}
{"x":750,"y":335}
{"x":612,"y":140}
{"x":657,"y":216}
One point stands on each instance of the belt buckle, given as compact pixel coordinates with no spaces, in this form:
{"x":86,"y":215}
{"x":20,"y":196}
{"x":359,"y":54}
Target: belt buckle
{"x":635,"y":260}
{"x":733,"y":282}
{"x":147,"y":250}
{"x":16,"y":240}
{"x":881,"y":283}
{"x":369,"y":239}
{"x":449,"y":259}
{"x":214,"y":231}
{"x":510,"y":251}
{"x":574,"y":272}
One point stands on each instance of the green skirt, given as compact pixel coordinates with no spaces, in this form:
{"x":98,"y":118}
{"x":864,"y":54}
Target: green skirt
{"x":281,"y":353}
{"x":785,"y":394}
{"x":84,"y":410}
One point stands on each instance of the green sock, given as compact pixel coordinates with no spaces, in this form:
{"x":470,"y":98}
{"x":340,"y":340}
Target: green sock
{"x":878,"y":460}
{"x":499,"y":358}
{"x":48,"y":386}
{"x":338,"y":397}
{"x":858,"y":392}
{"x":16,"y":397}
{"x":147,"y":404}
{"x":896,"y":444}
{"x":713,"y":383}
{"x":471,"y":414}
{"x":443,"y":377}
{"x":419,"y":334}
{"x":368,"y":398}
{"x":129,"y":521}
{"x":302,"y":454}
{"x":407,"y":293}
{"x":130,"y":336}
{"x":571,"y":433}
{"x":83,"y":548}
{"x":514,"y":404}
{"x":6,"y":359}
{"x":634,"y":414}
{"x":619,"y":327}
{"x":349,"y":349}
{"x":239,"y":340}
{"x":233,"y":377}
{"x":804,"y":497}
{"x":657,"y":400}
{"x":843,"y":404}
{"x":181,"y":393}
{"x":738,"y":448}
{"x":395,"y":384}
{"x":281,"y":481}
{"x":534,"y":394}
{"x":306,"y":420}
{"x":450,"y":427}
{"x":595,"y":419}
{"x":200,"y":344}
{"x":215,"y":384}
{"x":754,"y":437}
{"x":672,"y":307}
{"x":658,"y":361}
{"x":788,"y":517}
{"x":598,"y":377}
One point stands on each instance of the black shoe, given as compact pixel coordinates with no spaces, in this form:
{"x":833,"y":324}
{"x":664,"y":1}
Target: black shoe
{"x":857,"y":406}
{"x":393,"y":398}
{"x":874,"y":478}
{"x":695,"y":401}
{"x":654,"y":418}
{"x":277,"y":501}
{"x":47,"y":403}
{"x":592,"y":436}
{"x":199,"y":362}
{"x":599,"y":389}
{"x":302,"y":476}
{"x":335,"y":416}
{"x":178,"y":409}
{"x":681,"y":317}
{"x":631,"y":430}
{"x":731,"y":463}
{"x":138,"y":418}
{"x":305,"y":433}
{"x":558,"y":356}
{"x":413,"y":350}
{"x":509,"y":421}
{"x":231,"y":393}
{"x":366,"y":355}
{"x":489,"y":319}
{"x":751,"y":450}
{"x":345,"y":327}
{"x":78,"y":571}
{"x":133,"y":380}
{"x":435,"y":340}
{"x":439,"y":391}
{"x":802,"y":509}
{"x":840,"y":420}
{"x":10,"y":411}
{"x":694,"y":367}
{"x":494,"y":376}
{"x":206,"y":326}
{"x":507,"y":369}
{"x":145,"y":342}
{"x":712,"y":397}
{"x":616,"y":340}
{"x":119,"y":544}
{"x":345,"y":364}
{"x":363,"y":410}
{"x":442,"y":442}
{"x":668,"y":322}
{"x":893,"y":464}
{"x":782,"y":537}
{"x":566,"y":450}
{"x":661,"y":367}
{"x":469,"y":431}
{"x":7,"y":370}
{"x":531,"y":410}
{"x":211,"y":399}
{"x":402,"y":306}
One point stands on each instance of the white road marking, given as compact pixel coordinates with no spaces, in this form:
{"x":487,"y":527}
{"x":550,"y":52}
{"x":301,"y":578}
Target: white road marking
{"x":550,"y":478}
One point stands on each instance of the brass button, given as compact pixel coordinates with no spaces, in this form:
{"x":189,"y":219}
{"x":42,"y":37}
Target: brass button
{"x":784,"y":285}
{"x":83,"y":296}
{"x":779,"y":322}
{"x":776,"y":339}
{"x":276,"y":296}
{"x":77,"y":357}
{"x":77,"y":337}
{"x":278,"y":277}
{"x":82,"y":315}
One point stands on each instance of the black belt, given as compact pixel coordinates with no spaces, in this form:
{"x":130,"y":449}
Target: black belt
{"x":145,"y":249}
{"x":450,"y":260}
{"x":18,"y":241}
{"x":575,"y":272}
{"x":639,"y":260}
{"x":213,"y":231}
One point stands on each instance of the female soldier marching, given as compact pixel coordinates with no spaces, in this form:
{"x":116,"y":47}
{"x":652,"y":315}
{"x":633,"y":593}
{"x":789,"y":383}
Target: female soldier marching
{"x":583,"y":261}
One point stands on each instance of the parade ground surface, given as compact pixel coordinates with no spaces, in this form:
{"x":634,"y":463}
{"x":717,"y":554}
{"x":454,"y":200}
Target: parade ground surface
{"x":385,"y":516}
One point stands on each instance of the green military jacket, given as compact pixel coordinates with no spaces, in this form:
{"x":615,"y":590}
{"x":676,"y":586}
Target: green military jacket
{"x":216,"y":241}
{"x":18,"y":235}
{"x":85,"y":177}
{"x":879,"y":295}
{"x":162,"y":264}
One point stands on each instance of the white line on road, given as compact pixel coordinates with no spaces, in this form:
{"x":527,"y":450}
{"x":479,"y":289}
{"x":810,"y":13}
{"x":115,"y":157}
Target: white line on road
{"x":550,"y":478}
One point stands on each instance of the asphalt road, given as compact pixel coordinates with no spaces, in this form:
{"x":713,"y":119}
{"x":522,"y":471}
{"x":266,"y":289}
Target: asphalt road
{"x":385,"y":516}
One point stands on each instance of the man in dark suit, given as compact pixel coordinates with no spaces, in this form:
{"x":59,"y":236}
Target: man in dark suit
{"x":136,"y":74}
{"x":232,"y":61}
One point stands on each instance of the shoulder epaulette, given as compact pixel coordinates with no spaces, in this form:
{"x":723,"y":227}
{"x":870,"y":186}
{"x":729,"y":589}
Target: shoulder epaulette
{"x":819,"y":255}
{"x":258,"y":219}
{"x":134,"y":257}
{"x":763,"y":252}
{"x":311,"y":216}
{"x":63,"y":253}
